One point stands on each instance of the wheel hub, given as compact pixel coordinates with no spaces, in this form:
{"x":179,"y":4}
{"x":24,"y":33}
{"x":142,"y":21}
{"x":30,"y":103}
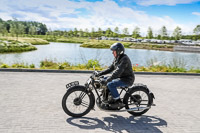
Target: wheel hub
{"x":137,"y":98}
{"x":77,"y":101}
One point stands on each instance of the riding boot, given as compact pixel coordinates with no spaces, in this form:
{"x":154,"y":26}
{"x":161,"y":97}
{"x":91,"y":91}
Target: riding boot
{"x":105,"y":95}
{"x":118,"y":104}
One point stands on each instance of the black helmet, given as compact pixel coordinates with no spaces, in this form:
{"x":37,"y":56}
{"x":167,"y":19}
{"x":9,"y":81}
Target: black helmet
{"x":118,"y":47}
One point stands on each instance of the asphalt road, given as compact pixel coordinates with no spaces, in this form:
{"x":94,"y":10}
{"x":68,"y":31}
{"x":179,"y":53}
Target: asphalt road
{"x":31,"y":102}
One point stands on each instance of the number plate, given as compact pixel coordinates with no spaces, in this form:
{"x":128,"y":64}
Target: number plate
{"x":75,"y":83}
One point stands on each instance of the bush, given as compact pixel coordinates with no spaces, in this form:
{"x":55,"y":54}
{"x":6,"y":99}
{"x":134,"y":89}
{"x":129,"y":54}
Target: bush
{"x":48,"y":64}
{"x":20,"y":65}
{"x":32,"y":66}
{"x":4,"y":66}
{"x":61,"y":66}
{"x":92,"y":63}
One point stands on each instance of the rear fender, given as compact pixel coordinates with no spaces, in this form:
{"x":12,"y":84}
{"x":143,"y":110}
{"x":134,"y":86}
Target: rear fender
{"x":143,"y":86}
{"x":152,"y":95}
{"x":139,"y":85}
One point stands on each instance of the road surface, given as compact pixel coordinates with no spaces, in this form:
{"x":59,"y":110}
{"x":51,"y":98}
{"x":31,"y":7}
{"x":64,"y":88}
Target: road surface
{"x":30,"y":102}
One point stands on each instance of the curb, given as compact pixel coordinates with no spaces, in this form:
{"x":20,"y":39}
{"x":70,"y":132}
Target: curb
{"x":43,"y":70}
{"x":89,"y":71}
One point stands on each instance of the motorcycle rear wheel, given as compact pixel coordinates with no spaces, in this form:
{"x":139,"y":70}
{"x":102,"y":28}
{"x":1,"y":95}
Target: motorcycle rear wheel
{"x":141,"y":99}
{"x":77,"y":101}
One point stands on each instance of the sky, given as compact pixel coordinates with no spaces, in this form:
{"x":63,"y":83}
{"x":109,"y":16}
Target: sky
{"x":82,"y":14}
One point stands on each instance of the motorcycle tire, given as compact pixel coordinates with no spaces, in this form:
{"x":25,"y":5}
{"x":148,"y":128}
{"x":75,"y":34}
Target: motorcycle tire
{"x":138,"y":92}
{"x":73,"y":105}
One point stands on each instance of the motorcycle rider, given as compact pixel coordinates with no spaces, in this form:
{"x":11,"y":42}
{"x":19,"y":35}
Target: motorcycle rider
{"x":122,"y":73}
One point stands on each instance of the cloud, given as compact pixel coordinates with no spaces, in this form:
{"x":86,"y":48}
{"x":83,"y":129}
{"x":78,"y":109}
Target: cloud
{"x":65,"y":14}
{"x":196,"y":13}
{"x":163,"y":2}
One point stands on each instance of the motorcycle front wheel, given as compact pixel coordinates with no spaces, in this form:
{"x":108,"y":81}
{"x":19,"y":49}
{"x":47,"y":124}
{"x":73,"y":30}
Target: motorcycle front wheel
{"x":77,"y":101}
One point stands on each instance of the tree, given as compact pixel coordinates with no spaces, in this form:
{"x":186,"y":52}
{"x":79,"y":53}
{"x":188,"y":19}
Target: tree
{"x":3,"y":29}
{"x":163,"y":33}
{"x":75,"y":32}
{"x":86,"y":33}
{"x":70,"y":33}
{"x":93,"y":32}
{"x":125,"y":32}
{"x":42,"y":29}
{"x":136,"y":32}
{"x":100,"y":32}
{"x":177,"y":33}
{"x":109,"y":32}
{"x":80,"y":33}
{"x":17,"y":28}
{"x":32,"y":30}
{"x":1,"y":20}
{"x":197,"y":30}
{"x":149,"y":33}
{"x":116,"y":32}
{"x":159,"y":37}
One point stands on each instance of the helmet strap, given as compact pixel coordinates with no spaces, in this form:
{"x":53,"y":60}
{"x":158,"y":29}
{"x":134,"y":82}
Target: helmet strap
{"x":121,"y":52}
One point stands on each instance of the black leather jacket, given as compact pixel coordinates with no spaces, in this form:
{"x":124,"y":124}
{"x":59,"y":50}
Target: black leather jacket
{"x":121,"y":68}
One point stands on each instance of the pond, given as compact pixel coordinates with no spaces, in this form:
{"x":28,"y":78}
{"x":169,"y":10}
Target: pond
{"x":72,"y":53}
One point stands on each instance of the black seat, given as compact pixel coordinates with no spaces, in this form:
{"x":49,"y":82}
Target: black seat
{"x":122,"y":87}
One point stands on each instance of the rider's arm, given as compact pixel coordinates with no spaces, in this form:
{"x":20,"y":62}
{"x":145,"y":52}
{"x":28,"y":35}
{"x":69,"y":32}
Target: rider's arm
{"x":109,"y":70}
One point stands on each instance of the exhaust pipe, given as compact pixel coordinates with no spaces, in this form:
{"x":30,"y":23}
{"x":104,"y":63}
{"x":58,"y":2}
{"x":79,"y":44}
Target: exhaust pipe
{"x":138,"y":109}
{"x":131,"y":109}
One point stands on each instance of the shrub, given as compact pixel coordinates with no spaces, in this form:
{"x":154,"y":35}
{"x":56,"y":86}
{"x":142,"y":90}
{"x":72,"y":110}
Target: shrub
{"x":48,"y":64}
{"x":92,"y":63}
{"x":32,"y":66}
{"x":20,"y":65}
{"x":4,"y":66}
{"x":61,"y":66}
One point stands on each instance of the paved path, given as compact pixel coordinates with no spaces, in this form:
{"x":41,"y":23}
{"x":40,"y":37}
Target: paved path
{"x":31,"y":102}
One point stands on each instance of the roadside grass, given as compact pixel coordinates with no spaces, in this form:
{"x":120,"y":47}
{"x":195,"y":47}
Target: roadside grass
{"x":50,"y":64}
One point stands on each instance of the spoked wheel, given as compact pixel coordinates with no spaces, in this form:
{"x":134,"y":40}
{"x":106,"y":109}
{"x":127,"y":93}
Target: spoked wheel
{"x":77,"y":102}
{"x":139,"y":99}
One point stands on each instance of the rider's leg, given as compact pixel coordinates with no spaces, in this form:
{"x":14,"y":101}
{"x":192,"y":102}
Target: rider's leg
{"x":112,"y":86}
{"x":113,"y":89}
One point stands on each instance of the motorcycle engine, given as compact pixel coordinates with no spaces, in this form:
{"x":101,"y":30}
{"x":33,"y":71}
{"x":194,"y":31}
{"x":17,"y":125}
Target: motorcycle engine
{"x":97,"y":84}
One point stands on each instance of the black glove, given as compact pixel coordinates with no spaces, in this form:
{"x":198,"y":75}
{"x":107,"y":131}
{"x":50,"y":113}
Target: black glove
{"x":97,"y":74}
{"x":108,"y":79}
{"x":104,"y":82}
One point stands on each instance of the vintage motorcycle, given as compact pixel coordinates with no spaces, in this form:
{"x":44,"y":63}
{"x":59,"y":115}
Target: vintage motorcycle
{"x":80,"y":99}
